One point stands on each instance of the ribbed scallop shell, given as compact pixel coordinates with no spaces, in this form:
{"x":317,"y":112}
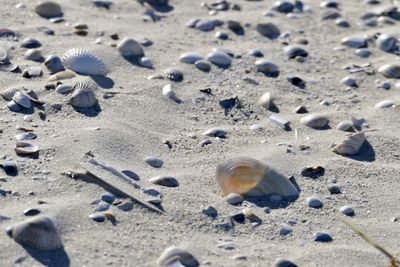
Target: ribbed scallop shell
{"x":84,"y":62}
{"x":174,"y":254}
{"x":38,"y":232}
{"x":9,"y":93}
{"x":351,"y":145}
{"x":250,"y":177}
{"x":83,"y":95}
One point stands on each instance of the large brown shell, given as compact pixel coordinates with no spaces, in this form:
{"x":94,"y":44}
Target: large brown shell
{"x":38,"y":232}
{"x":250,"y":177}
{"x":351,"y":145}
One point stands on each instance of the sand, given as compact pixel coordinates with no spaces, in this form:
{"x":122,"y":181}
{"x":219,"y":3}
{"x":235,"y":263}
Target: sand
{"x":132,"y":126}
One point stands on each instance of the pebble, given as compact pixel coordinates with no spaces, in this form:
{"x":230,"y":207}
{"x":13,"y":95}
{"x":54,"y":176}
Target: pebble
{"x":354,"y":42}
{"x":220,"y":59}
{"x":190,"y":57}
{"x":363,"y":52}
{"x":205,"y":25}
{"x":108,"y":198}
{"x":238,"y":217}
{"x":322,"y":237}
{"x":342,"y":23}
{"x":234,"y":199}
{"x":31,"y":212}
{"x":267,"y":67}
{"x":283,"y":6}
{"x":9,"y":167}
{"x":281,"y":262}
{"x":347,"y":210}
{"x":167,"y":181}
{"x":154,"y":162}
{"x":203,"y":65}
{"x":334,"y":189}
{"x":256,"y":53}
{"x":268,"y":30}
{"x":390,"y":71}
{"x":349,"y":81}
{"x":386,"y":42}
{"x":314,"y":202}
{"x":285,"y":229}
{"x":210,"y":211}
{"x":384,"y":104}
{"x":295,"y":51}
{"x":215,"y":132}
{"x":126,"y":205}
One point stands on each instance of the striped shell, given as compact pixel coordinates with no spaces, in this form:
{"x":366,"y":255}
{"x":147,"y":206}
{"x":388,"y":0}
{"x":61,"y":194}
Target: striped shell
{"x":83,"y":95}
{"x":351,"y":145}
{"x":250,"y":177}
{"x":9,"y":93}
{"x":174,"y":254}
{"x":315,"y":121}
{"x":84,"y":62}
{"x":173,"y":74}
{"x":38,"y":232}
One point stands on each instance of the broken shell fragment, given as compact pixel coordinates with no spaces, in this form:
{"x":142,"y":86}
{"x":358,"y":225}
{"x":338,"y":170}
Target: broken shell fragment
{"x":316,"y":121}
{"x":250,"y":177}
{"x":351,"y":145}
{"x":174,"y":254}
{"x":38,"y":232}
{"x":24,"y":148}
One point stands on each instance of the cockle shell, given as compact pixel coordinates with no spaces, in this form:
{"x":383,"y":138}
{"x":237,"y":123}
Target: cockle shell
{"x":84,"y":62}
{"x":174,"y":254}
{"x":250,"y":177}
{"x":48,"y":9}
{"x":351,"y":145}
{"x":24,"y":148}
{"x":83,"y":95}
{"x":38,"y":232}
{"x":316,"y":121}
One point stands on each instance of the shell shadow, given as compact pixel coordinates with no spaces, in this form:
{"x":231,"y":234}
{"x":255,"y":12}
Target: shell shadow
{"x":162,"y":8}
{"x":55,"y":258}
{"x":89,"y":112}
{"x":366,"y":153}
{"x":103,"y":82}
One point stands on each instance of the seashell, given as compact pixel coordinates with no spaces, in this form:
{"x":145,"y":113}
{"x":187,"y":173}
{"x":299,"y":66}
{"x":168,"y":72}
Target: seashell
{"x":329,"y":4}
{"x":351,"y":145}
{"x":249,"y":213}
{"x":84,"y":62}
{"x":349,"y":81}
{"x":386,"y":42}
{"x":173,"y":74}
{"x":62,"y":75}
{"x":385,"y":104}
{"x":268,"y":30}
{"x":170,"y":93}
{"x":33,"y":54}
{"x":14,"y":106}
{"x":30,"y":43}
{"x":154,"y":162}
{"x":103,"y":3}
{"x":7,"y":34}
{"x":9,"y":93}
{"x":25,"y":136}
{"x":129,"y":47}
{"x":363,"y":52}
{"x":155,"y":2}
{"x":22,"y":99}
{"x":174,"y":254}
{"x":48,"y":9}
{"x":268,"y":68}
{"x":203,"y":65}
{"x":215,"y":132}
{"x":279,"y":121}
{"x":190,"y":58}
{"x":222,"y":35}
{"x":354,"y":42}
{"x":330,"y":14}
{"x":24,"y":148}
{"x":38,"y":232}
{"x":316,"y":121}
{"x":9,"y":67}
{"x":282,"y":6}
{"x":205,"y":25}
{"x":250,"y":177}
{"x":255,"y":53}
{"x":167,"y":181}
{"x":342,"y":23}
{"x":295,"y":51}
{"x":146,"y":62}
{"x":219,"y":58}
{"x":346,"y":126}
{"x":53,"y":64}
{"x":33,"y":71}
{"x":390,"y":71}
{"x":3,"y":54}
{"x":300,"y":110}
{"x":266,"y":101}
{"x":83,"y":95}
{"x":64,"y":89}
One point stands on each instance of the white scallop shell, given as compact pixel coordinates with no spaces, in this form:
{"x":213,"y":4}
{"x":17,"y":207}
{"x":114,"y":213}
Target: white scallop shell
{"x":9,"y":93}
{"x":250,"y":177}
{"x":351,"y":145}
{"x":38,"y":232}
{"x":316,"y":121}
{"x":174,"y":254}
{"x":84,"y":62}
{"x":83,"y":95}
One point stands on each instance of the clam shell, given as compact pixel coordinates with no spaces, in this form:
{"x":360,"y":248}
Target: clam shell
{"x":268,"y":30}
{"x":25,"y":136}
{"x":173,"y":74}
{"x":174,"y":254}
{"x":22,"y":99}
{"x":3,"y":54}
{"x":48,"y":9}
{"x":265,"y":101}
{"x":351,"y":145}
{"x":294,"y":51}
{"x":390,"y":71}
{"x":83,"y":95}
{"x":84,"y":62}
{"x":129,"y":47}
{"x":220,"y":59}
{"x":316,"y":121}
{"x":386,"y":42}
{"x":62,"y":75}
{"x":203,"y":65}
{"x":170,"y":93}
{"x":250,"y":177}
{"x":30,"y":43}
{"x":268,"y":68}
{"x":9,"y":93}
{"x":24,"y":148}
{"x":346,"y":126}
{"x":33,"y":54}
{"x":190,"y":58}
{"x":38,"y":232}
{"x":384,"y":104}
{"x":53,"y":64}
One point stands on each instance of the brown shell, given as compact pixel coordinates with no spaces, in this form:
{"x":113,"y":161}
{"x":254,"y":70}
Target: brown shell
{"x":351,"y":145}
{"x":250,"y":177}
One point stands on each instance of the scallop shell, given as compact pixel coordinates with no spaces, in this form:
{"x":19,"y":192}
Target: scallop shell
{"x":38,"y":232}
{"x":24,"y":148}
{"x":174,"y":254}
{"x":316,"y":121}
{"x":84,"y":62}
{"x":48,"y":9}
{"x":351,"y":145}
{"x":390,"y":71}
{"x":83,"y":95}
{"x":173,"y":74}
{"x":265,"y":101}
{"x":250,"y":177}
{"x":9,"y":93}
{"x":22,"y":99}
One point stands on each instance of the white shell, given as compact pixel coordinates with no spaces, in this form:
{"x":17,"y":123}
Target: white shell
{"x":129,"y":47}
{"x":190,"y":58}
{"x":24,"y":148}
{"x":219,"y":59}
{"x":351,"y":145}
{"x":250,"y":177}
{"x":316,"y":121}
{"x":22,"y":99}
{"x":390,"y":71}
{"x":170,"y":93}
{"x":83,"y":95}
{"x":38,"y":232}
{"x":385,"y":104}
{"x":84,"y":62}
{"x":265,"y":101}
{"x":174,"y":254}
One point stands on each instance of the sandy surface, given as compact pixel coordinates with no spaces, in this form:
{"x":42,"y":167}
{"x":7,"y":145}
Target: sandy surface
{"x":133,"y":126}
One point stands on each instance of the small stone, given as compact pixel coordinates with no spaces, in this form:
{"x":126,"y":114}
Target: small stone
{"x":234,"y":199}
{"x":295,"y":51}
{"x":220,"y":59}
{"x":268,"y":68}
{"x":97,"y":217}
{"x":167,"y":181}
{"x":347,"y":210}
{"x":203,"y":65}
{"x":205,"y":25}
{"x":283,"y":6}
{"x":255,"y":53}
{"x":322,"y":237}
{"x":154,"y":162}
{"x":215,"y":132}
{"x":31,"y":212}
{"x":102,"y":207}
{"x":363,"y":52}
{"x":9,"y":167}
{"x":129,"y":47}
{"x":280,"y":262}
{"x":238,"y":217}
{"x":285,"y":229}
{"x":334,"y":189}
{"x":342,"y":23}
{"x":314,"y":202}
{"x":108,"y":198}
{"x":210,"y":211}
{"x":292,"y":221}
{"x":126,"y":205}
{"x":222,"y":35}
{"x":190,"y":58}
